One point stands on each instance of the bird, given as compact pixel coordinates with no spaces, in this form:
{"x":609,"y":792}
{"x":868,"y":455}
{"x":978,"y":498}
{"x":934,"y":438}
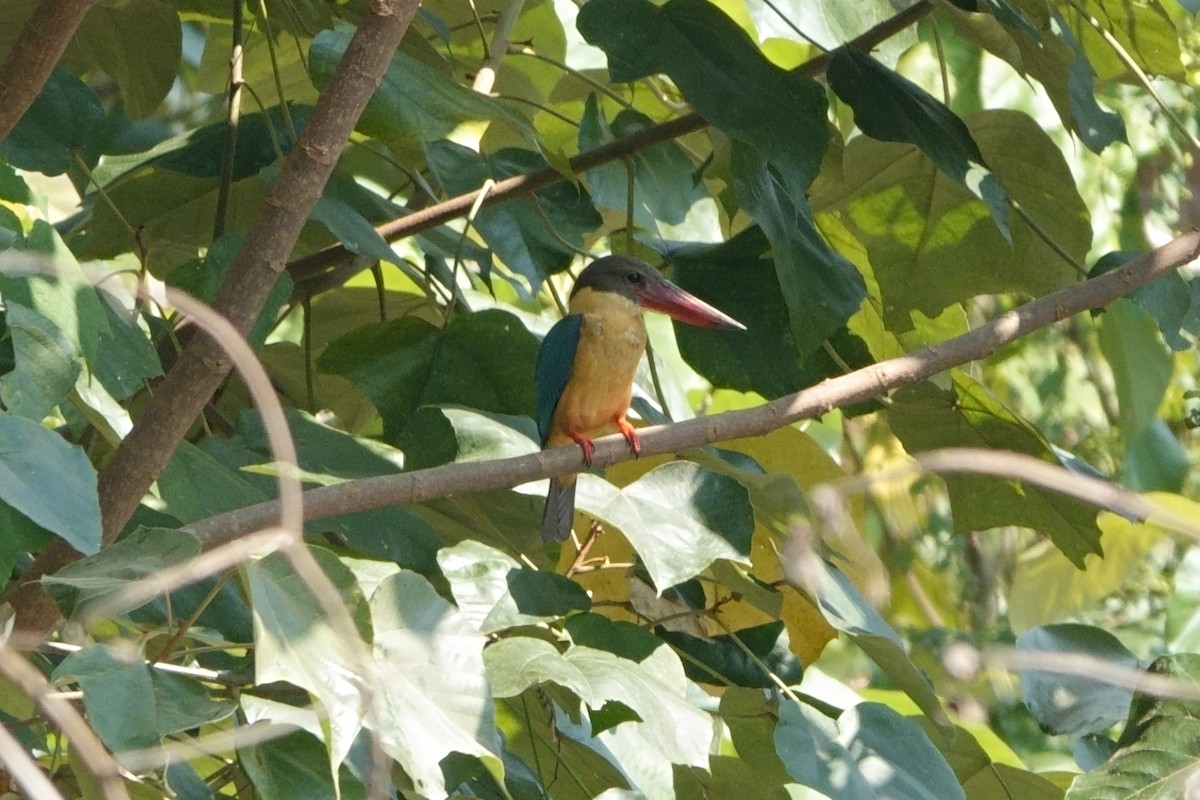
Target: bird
{"x":586,"y":364}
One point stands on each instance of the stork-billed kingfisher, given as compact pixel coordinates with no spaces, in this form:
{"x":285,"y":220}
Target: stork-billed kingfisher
{"x":587,"y":362}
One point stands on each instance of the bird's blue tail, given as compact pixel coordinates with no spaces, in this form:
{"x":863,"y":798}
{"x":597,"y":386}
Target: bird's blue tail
{"x":560,"y":511}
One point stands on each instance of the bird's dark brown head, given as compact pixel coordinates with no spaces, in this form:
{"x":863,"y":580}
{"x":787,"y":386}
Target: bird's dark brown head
{"x":638,"y":281}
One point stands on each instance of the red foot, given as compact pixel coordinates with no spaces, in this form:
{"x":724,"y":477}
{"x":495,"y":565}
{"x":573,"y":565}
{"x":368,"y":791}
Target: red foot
{"x":630,"y":434}
{"x":586,"y":445}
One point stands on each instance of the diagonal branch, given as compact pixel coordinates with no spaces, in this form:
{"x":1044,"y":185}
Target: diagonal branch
{"x":849,"y":389}
{"x":202,"y":366}
{"x":524,"y":185}
{"x":37,"y":49}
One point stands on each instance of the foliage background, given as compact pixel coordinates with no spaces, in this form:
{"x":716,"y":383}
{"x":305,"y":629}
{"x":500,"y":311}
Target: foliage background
{"x":792,"y":601}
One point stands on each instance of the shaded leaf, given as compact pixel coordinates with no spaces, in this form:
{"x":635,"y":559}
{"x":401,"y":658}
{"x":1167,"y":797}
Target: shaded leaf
{"x":668,"y":200}
{"x":820,"y":288}
{"x":721,"y":72}
{"x":892,"y":108}
{"x":59,"y":123}
{"x":415,"y":102}
{"x":45,"y":369}
{"x":929,"y":241}
{"x":1141,"y":364}
{"x":925,"y":418}
{"x":131,"y":705}
{"x":1074,"y":702}
{"x":32,"y":459}
{"x":848,"y":611}
{"x":871,"y":752}
{"x":137,"y":43}
{"x":294,"y":766}
{"x":202,"y":279}
{"x":721,"y":659}
{"x":764,"y":358}
{"x":99,"y":577}
{"x":482,"y":360}
{"x":536,"y":236}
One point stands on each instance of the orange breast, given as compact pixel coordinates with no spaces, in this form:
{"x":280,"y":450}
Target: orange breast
{"x":611,"y":343}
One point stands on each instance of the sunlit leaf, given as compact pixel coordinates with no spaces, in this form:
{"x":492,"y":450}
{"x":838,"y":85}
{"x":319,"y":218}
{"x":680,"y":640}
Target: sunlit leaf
{"x":435,"y":698}
{"x":679,"y":518}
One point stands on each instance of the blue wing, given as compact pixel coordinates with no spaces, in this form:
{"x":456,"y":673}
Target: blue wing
{"x":553,"y":368}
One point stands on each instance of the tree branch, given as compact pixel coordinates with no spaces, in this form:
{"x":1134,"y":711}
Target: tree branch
{"x":202,"y":366}
{"x":37,"y":49}
{"x":423,"y":485}
{"x":524,"y":185}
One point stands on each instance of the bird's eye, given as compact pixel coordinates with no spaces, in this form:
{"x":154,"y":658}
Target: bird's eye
{"x":633,"y":277}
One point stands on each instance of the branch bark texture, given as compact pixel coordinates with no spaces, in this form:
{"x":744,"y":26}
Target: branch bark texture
{"x":855,"y":387}
{"x":202,"y":366}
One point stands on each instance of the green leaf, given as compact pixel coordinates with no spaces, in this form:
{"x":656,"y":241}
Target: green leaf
{"x":924,"y":417}
{"x":678,"y":517}
{"x":668,"y":200}
{"x":616,"y":636}
{"x":482,"y":360}
{"x":130,"y":359}
{"x":415,"y":102}
{"x":849,"y":612}
{"x":721,"y":72}
{"x":1074,"y":702}
{"x":984,"y":775}
{"x":891,"y":108}
{"x":1156,"y":754}
{"x":495,"y":592}
{"x":721,"y":660}
{"x":1155,"y":460}
{"x":435,"y":697}
{"x":32,"y":459}
{"x":295,"y":766}
{"x":18,"y":535}
{"x":764,"y":358}
{"x":820,"y":288}
{"x":535,"y":237}
{"x":294,"y":642}
{"x":59,"y":123}
{"x":1141,"y":364}
{"x":63,"y":295}
{"x":872,"y":752}
{"x":929,"y":241}
{"x":654,"y":688}
{"x":130,"y":704}
{"x":99,"y":577}
{"x":194,"y":485}
{"x":137,"y":43}
{"x":46,"y":368}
